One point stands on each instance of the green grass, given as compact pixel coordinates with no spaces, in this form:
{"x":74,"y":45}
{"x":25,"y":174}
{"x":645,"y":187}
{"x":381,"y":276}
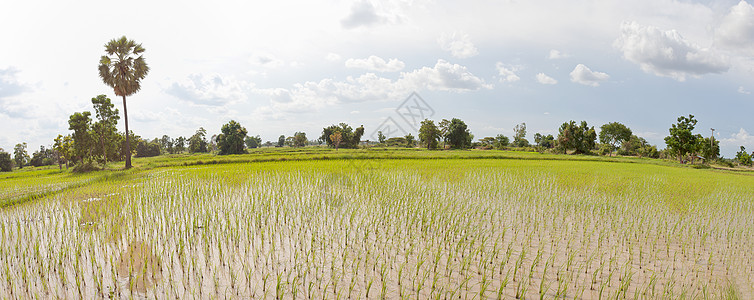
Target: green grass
{"x":409,"y":223}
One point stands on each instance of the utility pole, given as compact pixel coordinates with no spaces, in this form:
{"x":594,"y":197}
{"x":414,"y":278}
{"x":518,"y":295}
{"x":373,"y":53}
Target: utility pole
{"x":712,"y":139}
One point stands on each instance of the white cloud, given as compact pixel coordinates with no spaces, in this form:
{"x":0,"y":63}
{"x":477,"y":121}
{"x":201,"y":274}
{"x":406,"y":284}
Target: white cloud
{"x":667,"y":53}
{"x":362,"y":14}
{"x":740,"y":138}
{"x":267,"y":61}
{"x":332,"y":57}
{"x":741,"y":90}
{"x":544,"y":79}
{"x":736,"y":30}
{"x":444,"y":76}
{"x":458,"y":44}
{"x":210,"y":90}
{"x":376,"y":63}
{"x":507,"y":73}
{"x":583,"y":75}
{"x":9,"y":84}
{"x":555,"y":54}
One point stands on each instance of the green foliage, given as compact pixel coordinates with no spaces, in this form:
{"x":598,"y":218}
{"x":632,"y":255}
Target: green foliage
{"x":743,"y":158}
{"x":410,"y":141}
{"x":281,"y":141}
{"x":429,"y":134}
{"x":501,"y":141}
{"x":544,"y":141}
{"x":147,"y":149}
{"x":253,"y":142}
{"x":198,"y":142}
{"x":231,"y":140}
{"x":350,"y":137}
{"x":42,"y":157}
{"x":638,"y":146}
{"x":681,"y":141}
{"x":380,"y":137}
{"x":519,"y":136}
{"x":6,"y":164}
{"x":299,"y":139}
{"x":122,"y":69}
{"x":458,"y":135}
{"x":104,"y":130}
{"x":81,"y":124}
{"x":396,"y":142}
{"x":20,"y":156}
{"x":614,"y":134}
{"x":180,"y":144}
{"x":708,"y":148}
{"x":579,"y":138}
{"x":64,"y":148}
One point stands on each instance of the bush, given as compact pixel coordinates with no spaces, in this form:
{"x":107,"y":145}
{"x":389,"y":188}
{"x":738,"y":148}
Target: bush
{"x":6,"y":164}
{"x":144,"y":149}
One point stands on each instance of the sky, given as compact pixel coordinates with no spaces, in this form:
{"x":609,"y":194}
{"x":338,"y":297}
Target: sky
{"x":278,"y":67}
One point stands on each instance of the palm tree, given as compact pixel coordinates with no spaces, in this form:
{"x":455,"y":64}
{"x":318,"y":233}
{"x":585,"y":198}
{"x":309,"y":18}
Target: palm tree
{"x":122,"y":69}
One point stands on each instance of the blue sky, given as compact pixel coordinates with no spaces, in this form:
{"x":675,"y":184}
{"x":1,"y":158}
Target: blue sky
{"x":289,"y":66}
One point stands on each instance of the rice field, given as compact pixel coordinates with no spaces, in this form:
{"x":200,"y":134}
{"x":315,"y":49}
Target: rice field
{"x":393,"y":229}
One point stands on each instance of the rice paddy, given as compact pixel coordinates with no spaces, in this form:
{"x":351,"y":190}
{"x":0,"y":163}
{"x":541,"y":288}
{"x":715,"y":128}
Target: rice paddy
{"x":393,"y":229}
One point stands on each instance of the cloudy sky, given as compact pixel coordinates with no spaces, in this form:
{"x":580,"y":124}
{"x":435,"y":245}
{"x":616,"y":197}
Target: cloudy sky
{"x":284,"y":66}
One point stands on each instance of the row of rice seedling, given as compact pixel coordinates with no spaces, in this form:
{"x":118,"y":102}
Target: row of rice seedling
{"x":406,"y":229}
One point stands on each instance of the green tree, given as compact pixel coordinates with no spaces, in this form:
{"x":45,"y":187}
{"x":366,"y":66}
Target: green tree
{"x":410,"y":141}
{"x":81,"y":124}
{"x":519,"y":136}
{"x":231,"y":138}
{"x":198,"y":142}
{"x":429,"y":134}
{"x":681,"y":140}
{"x":6,"y":164}
{"x":579,"y":138}
{"x":614,"y":134}
{"x":180,"y":144}
{"x":350,"y":138}
{"x":122,"y":69}
{"x":299,"y":139}
{"x":167,"y":144}
{"x":253,"y":142}
{"x":544,"y":141}
{"x":20,"y":156}
{"x":147,"y":148}
{"x":458,"y":135}
{"x":64,"y":147}
{"x":743,"y":158}
{"x":380,"y":137}
{"x":708,"y":148}
{"x":105,"y":129}
{"x":501,"y":141}
{"x":281,"y":141}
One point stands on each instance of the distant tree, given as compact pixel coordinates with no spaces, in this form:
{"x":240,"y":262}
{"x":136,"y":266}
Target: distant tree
{"x":64,"y":147}
{"x":381,"y":137}
{"x":429,"y":134}
{"x":6,"y":164}
{"x":614,"y":134}
{"x":681,"y":140}
{"x":350,"y":137}
{"x":519,"y":136}
{"x":253,"y":142}
{"x":410,"y":141}
{"x":231,"y":140}
{"x":458,"y":135}
{"x":81,"y":123}
{"x":299,"y":139}
{"x":580,"y":138}
{"x":487,"y":142}
{"x":147,"y":148}
{"x":638,"y":146}
{"x":197,"y":142}
{"x":336,"y":138}
{"x":396,"y":142}
{"x":743,"y":158}
{"x":123,"y":68}
{"x":20,"y":156}
{"x":180,"y":144}
{"x":105,"y":129}
{"x":501,"y":141}
{"x":444,"y":128}
{"x":281,"y":141}
{"x":42,"y":157}
{"x":709,"y":148}
{"x":544,"y":141}
{"x":167,"y":144}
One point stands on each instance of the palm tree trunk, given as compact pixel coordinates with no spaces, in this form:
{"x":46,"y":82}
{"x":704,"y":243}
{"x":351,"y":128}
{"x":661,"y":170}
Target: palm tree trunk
{"x":128,"y":139}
